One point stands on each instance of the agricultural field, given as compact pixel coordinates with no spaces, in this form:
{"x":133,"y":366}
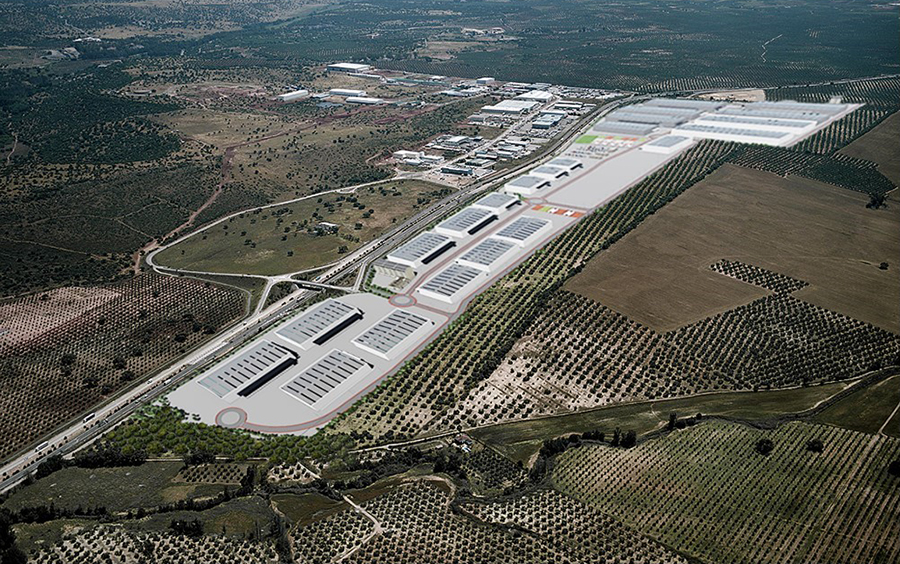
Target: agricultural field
{"x":709,"y":492}
{"x":867,"y":410}
{"x":114,"y":489}
{"x":877,"y":146}
{"x":292,"y":237}
{"x":65,"y":350}
{"x":777,"y":224}
{"x":415,"y":522}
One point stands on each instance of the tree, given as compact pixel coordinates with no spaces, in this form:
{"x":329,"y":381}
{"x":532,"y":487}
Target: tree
{"x":629,"y":440}
{"x":894,"y":468}
{"x":764,"y":446}
{"x":672,"y":419}
{"x":9,"y":552}
{"x":815,"y":445}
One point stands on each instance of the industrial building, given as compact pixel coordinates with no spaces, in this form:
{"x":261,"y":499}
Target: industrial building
{"x":453,"y":282}
{"x":667,"y":144}
{"x":549,"y":172}
{"x":701,"y":105}
{"x":526,"y":185}
{"x":319,"y":324}
{"x":623,"y":128}
{"x":250,"y":369}
{"x":294,"y":95}
{"x":364,"y":100}
{"x":326,"y":374}
{"x":458,"y":170}
{"x":346,"y":92}
{"x":466,"y":223}
{"x":736,"y":134}
{"x":393,"y":269}
{"x":524,"y":230}
{"x":487,"y":254}
{"x":796,"y":126}
{"x":403,"y":155}
{"x":423,"y":249}
{"x":387,"y":337}
{"x":348,"y":67}
{"x":485,"y":80}
{"x":496,"y":202}
{"x":541,"y":96}
{"x":548,"y":121}
{"x":567,"y":163}
{"x":510,"y":107}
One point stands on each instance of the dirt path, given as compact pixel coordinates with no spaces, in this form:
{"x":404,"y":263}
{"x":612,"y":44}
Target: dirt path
{"x":14,"y":147}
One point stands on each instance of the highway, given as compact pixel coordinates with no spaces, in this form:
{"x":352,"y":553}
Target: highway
{"x":78,"y":434}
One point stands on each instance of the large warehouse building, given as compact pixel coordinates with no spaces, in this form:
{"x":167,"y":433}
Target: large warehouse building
{"x":252,"y":368}
{"x":423,"y":249}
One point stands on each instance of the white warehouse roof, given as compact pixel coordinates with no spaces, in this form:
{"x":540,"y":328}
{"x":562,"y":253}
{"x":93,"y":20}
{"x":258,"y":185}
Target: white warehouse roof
{"x":567,"y":163}
{"x":467,"y":222}
{"x":523,"y":229}
{"x":319,"y":324}
{"x":327,"y":373}
{"x":526,"y":185}
{"x":388,"y":335}
{"x":496,"y":202}
{"x":549,"y":172}
{"x":537,"y":95}
{"x":486,"y":253}
{"x":450,"y":283}
{"x":423,"y":249}
{"x":250,"y":369}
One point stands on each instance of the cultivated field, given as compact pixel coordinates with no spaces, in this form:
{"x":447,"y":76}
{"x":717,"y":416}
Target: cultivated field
{"x":63,"y":351}
{"x":705,"y":490}
{"x":659,"y":275}
{"x":879,"y":145}
{"x":289,"y":238}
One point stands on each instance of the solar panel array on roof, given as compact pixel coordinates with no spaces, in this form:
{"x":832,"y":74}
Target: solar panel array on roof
{"x":324,"y":375}
{"x":761,"y":121}
{"x":687,"y":113}
{"x":467,"y":222}
{"x":702,"y":105}
{"x":734,"y":131}
{"x":423,"y":249}
{"x":523,"y":228}
{"x":636,"y":117}
{"x":486,"y":253}
{"x":624,"y":127}
{"x":320,"y":324}
{"x":256,"y":366}
{"x":779,"y":114}
{"x":389,"y":333}
{"x":800,"y":106}
{"x":550,"y":171}
{"x":497,"y":201}
{"x":450,"y":280}
{"x":668,"y":141}
{"x":528,"y":181}
{"x":567,"y":163}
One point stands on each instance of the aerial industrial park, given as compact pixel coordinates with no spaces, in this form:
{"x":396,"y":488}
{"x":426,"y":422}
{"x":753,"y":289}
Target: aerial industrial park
{"x":425,"y":282}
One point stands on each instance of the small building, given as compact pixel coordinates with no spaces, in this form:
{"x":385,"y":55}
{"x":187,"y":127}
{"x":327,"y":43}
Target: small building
{"x":457,"y":170}
{"x":525,"y":185}
{"x":488,"y":254}
{"x":403,"y":155}
{"x":432,"y":159}
{"x":485,"y":80}
{"x":348,"y":67}
{"x":346,"y":92}
{"x":510,"y":107}
{"x":453,"y":283}
{"x":524,"y":230}
{"x":391,"y":269}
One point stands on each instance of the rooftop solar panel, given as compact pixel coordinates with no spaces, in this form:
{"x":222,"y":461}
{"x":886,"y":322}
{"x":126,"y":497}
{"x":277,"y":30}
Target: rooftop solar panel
{"x":527,"y":181}
{"x":263,"y":359}
{"x":704,"y":105}
{"x":497,"y":201}
{"x":799,"y":106}
{"x":451,"y":280}
{"x":636,"y":117}
{"x":327,"y":373}
{"x":425,"y":248}
{"x":759,"y":120}
{"x":487,"y":252}
{"x":668,"y":141}
{"x":624,"y":127}
{"x":468,"y":221}
{"x":780,"y":114}
{"x":734,"y":131}
{"x":321,"y":323}
{"x":523,"y":228}
{"x":565,"y":162}
{"x":390,"y":332}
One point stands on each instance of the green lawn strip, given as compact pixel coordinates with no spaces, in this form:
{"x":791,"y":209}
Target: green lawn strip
{"x":865,"y":410}
{"x":519,"y":440}
{"x":303,"y":509}
{"x":117,"y":489}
